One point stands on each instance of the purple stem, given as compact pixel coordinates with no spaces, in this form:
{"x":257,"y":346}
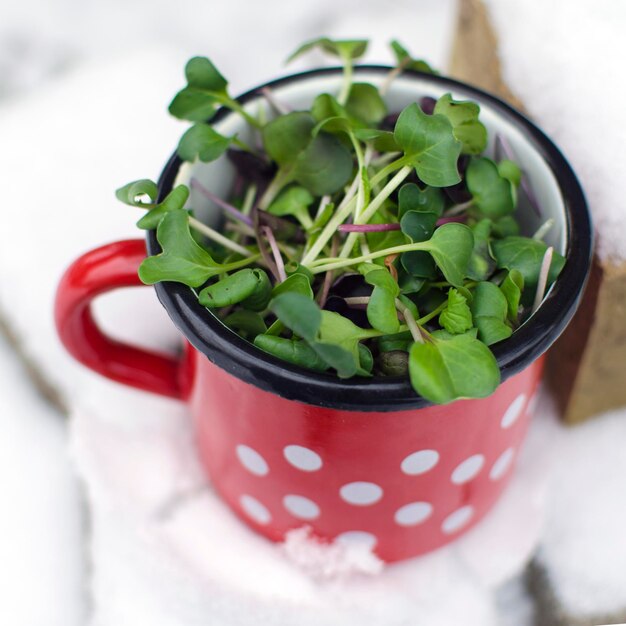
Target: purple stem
{"x":459,"y":219}
{"x":508,"y":153}
{"x":229,"y":208}
{"x":279,"y":106}
{"x":367,"y":228}
{"x":278,"y":259}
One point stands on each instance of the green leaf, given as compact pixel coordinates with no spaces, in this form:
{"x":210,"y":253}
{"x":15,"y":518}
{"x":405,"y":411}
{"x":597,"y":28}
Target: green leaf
{"x":287,"y":136}
{"x":293,"y":201}
{"x":292,"y":268}
{"x":411,"y":284}
{"x":249,"y":287}
{"x":201,"y":73}
{"x":512,"y":287}
{"x":342,"y":48}
{"x":428,"y":200}
{"x":381,"y":311}
{"x":134,"y":193}
{"x":334,"y":125}
{"x":381,"y":140}
{"x":506,"y":226}
{"x":202,"y":142}
{"x":418,"y":264}
{"x":326,"y":106}
{"x":404,"y":59}
{"x":450,"y":369}
{"x":378,"y":277}
{"x":491,"y":192}
{"x":182,"y":259}
{"x":366,"y":104}
{"x":428,"y":140}
{"x":325,"y":166}
{"x":366,"y":360}
{"x":418,"y":225}
{"x":174,"y":201}
{"x":194,"y":104}
{"x":463,"y":116}
{"x":397,"y":341}
{"x":451,"y":247}
{"x":343,"y":361}
{"x":291,"y":350}
{"x":339,"y":330}
{"x":481,"y":264}
{"x":526,"y":255}
{"x":511,"y":171}
{"x":204,"y":93}
{"x":230,"y":290}
{"x":338,"y":343}
{"x":298,"y":313}
{"x":456,"y":318}
{"x":489,"y":310}
{"x":246,"y":323}
{"x":296,"y":283}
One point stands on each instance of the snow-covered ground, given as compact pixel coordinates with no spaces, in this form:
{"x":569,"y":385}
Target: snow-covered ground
{"x":83,"y":88}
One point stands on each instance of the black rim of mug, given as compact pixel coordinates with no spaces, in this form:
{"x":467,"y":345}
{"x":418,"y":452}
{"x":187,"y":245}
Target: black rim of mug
{"x":240,"y":358}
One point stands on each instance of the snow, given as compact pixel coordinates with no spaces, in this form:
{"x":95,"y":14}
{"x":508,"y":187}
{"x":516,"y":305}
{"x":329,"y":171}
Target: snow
{"x":89,"y":87}
{"x":583,"y":548}
{"x":41,"y":526}
{"x":167,"y":551}
{"x":584,"y":46}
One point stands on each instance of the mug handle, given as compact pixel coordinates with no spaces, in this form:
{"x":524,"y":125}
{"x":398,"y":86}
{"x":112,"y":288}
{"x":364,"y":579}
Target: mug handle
{"x":101,"y":270}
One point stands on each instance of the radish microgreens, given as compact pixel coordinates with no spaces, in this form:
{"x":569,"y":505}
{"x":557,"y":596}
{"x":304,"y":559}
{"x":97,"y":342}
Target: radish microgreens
{"x":356,"y":240}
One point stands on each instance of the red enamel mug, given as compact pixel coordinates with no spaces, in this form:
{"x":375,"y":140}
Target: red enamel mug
{"x":359,"y":460}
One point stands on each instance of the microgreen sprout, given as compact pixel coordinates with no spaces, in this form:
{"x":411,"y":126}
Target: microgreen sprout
{"x":355,"y":240}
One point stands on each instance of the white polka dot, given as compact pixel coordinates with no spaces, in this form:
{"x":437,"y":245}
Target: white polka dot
{"x":252,"y":460}
{"x":503,"y":463}
{"x":420,"y":462}
{"x":301,"y":507}
{"x":413,"y":513}
{"x":303,"y":458}
{"x":254,"y":509}
{"x":361,"y":493}
{"x":513,"y":412}
{"x":468,"y":469}
{"x":358,"y":537}
{"x":455,"y":521}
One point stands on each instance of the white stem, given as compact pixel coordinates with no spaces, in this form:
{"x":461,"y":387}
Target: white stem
{"x":373,"y":206}
{"x":347,"y":82}
{"x":410,"y":321}
{"x":357,"y":300}
{"x":323,"y":265}
{"x":542,"y":231}
{"x":458,"y":208}
{"x":248,"y":200}
{"x":543,"y":278}
{"x":207,"y":231}
{"x":340,"y":215}
{"x":278,"y":259}
{"x":320,"y":209}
